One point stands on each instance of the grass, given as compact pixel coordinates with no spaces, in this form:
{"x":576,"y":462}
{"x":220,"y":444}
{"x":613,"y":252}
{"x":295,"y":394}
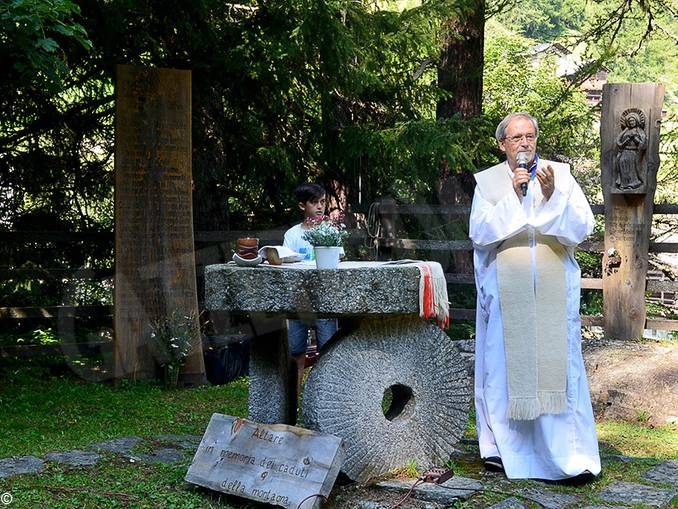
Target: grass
{"x":114,"y":483}
{"x":42,"y":413}
{"x":59,"y":413}
{"x":631,"y":439}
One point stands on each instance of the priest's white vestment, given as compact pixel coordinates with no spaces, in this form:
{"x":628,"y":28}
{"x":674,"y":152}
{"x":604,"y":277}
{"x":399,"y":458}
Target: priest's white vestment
{"x":552,"y":446}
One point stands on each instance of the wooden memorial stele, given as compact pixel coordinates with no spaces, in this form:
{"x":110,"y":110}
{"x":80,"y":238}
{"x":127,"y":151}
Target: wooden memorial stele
{"x":273,"y":463}
{"x":154,"y":253}
{"x":629,"y":133}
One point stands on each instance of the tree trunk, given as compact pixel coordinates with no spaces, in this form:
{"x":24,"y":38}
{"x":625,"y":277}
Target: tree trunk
{"x":460,"y":73}
{"x":461,"y":64}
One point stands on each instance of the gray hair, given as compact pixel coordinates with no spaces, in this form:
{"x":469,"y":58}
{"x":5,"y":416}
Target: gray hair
{"x":500,"y":133}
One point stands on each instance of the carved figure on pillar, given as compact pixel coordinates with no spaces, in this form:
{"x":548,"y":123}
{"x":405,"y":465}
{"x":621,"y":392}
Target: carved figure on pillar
{"x":631,"y":144}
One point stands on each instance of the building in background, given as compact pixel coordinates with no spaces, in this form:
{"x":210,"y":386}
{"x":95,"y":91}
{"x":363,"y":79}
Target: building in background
{"x":568,"y":64}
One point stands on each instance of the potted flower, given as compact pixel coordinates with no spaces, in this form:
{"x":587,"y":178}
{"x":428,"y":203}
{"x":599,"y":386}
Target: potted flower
{"x":327,"y":237}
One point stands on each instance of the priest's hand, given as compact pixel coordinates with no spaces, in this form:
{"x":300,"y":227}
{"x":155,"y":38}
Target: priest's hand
{"x":547,"y":180}
{"x":520,"y":176}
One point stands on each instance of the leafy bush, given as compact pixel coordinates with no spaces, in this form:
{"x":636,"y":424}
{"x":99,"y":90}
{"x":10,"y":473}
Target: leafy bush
{"x":171,"y":339}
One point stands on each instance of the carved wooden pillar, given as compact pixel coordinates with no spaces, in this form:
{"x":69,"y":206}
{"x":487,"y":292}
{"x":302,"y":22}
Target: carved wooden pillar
{"x":154,"y":254}
{"x":629,"y":133}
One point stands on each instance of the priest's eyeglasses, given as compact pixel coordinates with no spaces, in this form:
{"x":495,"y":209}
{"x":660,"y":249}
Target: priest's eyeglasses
{"x":518,"y":138}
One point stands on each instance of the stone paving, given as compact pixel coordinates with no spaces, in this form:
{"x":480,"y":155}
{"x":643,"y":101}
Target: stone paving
{"x":659,"y":488}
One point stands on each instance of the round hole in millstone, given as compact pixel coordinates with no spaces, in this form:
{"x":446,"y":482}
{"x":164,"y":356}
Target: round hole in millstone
{"x":398,"y":402}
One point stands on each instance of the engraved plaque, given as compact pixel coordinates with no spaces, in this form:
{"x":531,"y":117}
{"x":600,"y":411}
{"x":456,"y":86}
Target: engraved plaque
{"x":154,"y":254}
{"x":273,"y":463}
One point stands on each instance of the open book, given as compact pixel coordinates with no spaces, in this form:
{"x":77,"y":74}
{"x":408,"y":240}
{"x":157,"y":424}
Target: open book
{"x":279,"y":254}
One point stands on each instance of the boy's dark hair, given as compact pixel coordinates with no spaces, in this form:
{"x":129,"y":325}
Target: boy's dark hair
{"x":309,"y":192}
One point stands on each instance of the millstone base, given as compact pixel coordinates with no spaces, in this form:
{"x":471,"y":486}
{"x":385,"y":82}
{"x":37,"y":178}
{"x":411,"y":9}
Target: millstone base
{"x":395,"y":390}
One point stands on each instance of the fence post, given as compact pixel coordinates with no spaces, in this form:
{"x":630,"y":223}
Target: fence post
{"x":629,"y":133}
{"x":388,"y":216}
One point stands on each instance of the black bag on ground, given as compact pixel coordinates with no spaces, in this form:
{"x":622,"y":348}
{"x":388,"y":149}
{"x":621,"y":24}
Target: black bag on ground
{"x":226,"y":358}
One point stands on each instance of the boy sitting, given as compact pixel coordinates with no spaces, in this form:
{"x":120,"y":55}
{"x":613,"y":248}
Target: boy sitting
{"x":311,"y":200}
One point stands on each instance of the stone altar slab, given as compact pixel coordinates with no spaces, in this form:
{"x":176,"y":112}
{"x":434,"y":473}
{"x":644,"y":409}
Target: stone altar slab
{"x":353,"y":289}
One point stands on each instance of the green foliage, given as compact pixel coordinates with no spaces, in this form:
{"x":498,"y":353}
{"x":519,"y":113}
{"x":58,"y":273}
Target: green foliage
{"x":406,"y":160}
{"x":514,"y":83}
{"x":411,"y":469}
{"x":591,"y":303}
{"x":44,"y":336}
{"x":667,"y":190}
{"x":635,"y":440}
{"x":36,"y":336}
{"x":656,"y":309}
{"x":544,"y":20}
{"x":114,"y":483}
{"x":339,"y":92}
{"x":642,"y":416}
{"x":462,"y":329}
{"x":625,"y":30}
{"x":44,"y":414}
{"x":590,"y":263}
{"x":48,"y":290}
{"x":35,"y":35}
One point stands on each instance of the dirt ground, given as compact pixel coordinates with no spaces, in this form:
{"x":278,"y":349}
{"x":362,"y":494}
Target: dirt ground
{"x":633,"y":381}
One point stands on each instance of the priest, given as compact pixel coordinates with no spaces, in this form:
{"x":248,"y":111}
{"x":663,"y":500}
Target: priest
{"x":533,"y":408}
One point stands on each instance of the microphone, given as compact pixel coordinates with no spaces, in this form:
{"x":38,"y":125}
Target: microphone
{"x":521,"y":159}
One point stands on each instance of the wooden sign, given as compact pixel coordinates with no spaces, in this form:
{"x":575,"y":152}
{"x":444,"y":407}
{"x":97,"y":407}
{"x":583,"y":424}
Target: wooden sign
{"x":629,"y":133}
{"x":154,"y":253}
{"x":273,"y":463}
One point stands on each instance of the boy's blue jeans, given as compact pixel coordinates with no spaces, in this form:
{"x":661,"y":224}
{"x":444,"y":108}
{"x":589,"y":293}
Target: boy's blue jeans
{"x":297,"y":333}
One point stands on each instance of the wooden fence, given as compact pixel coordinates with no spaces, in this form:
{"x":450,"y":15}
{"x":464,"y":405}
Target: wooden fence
{"x":463,"y":212}
{"x":217,"y":246}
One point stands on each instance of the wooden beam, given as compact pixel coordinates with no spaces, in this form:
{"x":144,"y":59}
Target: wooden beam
{"x":52,"y":236}
{"x":432,"y":245}
{"x":36,"y":312}
{"x":591,"y":283}
{"x":32,"y":351}
{"x":470,"y":314}
{"x":663,"y":247}
{"x":269,"y":236}
{"x":459,"y":279}
{"x":19,"y":313}
{"x":54,"y":273}
{"x":661,"y":324}
{"x":665,"y":208}
{"x":462,"y":314}
{"x":591,"y":321}
{"x":465,"y":210}
{"x":661,"y":286}
{"x":595,"y":246}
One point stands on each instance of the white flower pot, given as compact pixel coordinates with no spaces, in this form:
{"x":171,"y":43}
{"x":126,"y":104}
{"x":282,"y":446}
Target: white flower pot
{"x":327,"y":257}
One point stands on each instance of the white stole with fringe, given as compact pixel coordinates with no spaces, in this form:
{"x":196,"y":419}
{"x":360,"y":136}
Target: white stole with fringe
{"x":532,"y":298}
